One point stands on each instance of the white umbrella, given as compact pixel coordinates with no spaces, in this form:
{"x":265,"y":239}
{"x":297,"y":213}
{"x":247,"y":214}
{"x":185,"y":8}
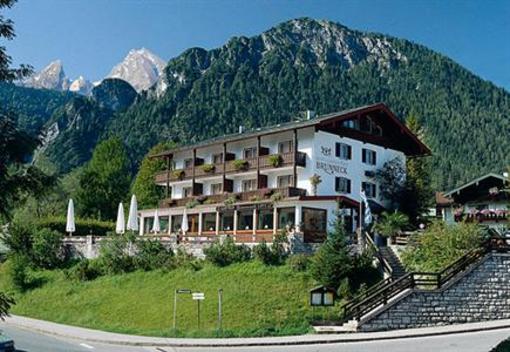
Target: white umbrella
{"x":120,"y":228}
{"x":132,"y":223}
{"x":70,"y":227}
{"x":184,"y":225}
{"x":155,"y":225}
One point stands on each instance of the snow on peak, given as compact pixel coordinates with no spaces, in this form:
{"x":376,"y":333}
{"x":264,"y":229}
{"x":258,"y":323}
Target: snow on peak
{"x":141,"y":68}
{"x":81,"y":86}
{"x":50,"y":77}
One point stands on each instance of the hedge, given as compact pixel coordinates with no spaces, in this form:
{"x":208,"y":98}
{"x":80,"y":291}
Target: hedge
{"x":84,"y":227}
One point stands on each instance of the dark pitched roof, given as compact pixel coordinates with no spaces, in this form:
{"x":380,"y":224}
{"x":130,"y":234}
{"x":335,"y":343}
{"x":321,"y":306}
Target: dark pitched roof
{"x":475,"y":181}
{"x":341,"y":115}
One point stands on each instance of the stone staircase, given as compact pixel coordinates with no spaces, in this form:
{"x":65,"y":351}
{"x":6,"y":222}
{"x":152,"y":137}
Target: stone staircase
{"x":393,"y":260}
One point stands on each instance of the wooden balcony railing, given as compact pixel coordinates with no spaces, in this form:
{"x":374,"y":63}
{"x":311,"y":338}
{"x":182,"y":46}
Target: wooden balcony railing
{"x":264,"y":162}
{"x":250,"y":196}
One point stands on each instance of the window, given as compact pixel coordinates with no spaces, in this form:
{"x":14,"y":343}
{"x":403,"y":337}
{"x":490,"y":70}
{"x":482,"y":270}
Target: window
{"x":249,"y":185}
{"x":284,"y":181}
{"x":209,"y":222}
{"x":188,"y":163}
{"x":368,"y":156}
{"x":192,"y":223}
{"x":217,"y":158}
{"x":245,"y":219}
{"x":369,"y":188}
{"x":186,"y":192}
{"x":343,"y":151}
{"x":286,"y":217}
{"x":265,"y":219}
{"x":350,"y":124}
{"x":342,"y":185}
{"x":285,"y":147}
{"x":314,"y":224}
{"x":227,"y":221}
{"x":250,"y":153}
{"x":216,"y":188}
{"x":176,"y":223}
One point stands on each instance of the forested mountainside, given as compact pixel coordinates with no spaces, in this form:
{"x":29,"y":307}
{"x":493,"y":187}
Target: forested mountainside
{"x":323,"y":66}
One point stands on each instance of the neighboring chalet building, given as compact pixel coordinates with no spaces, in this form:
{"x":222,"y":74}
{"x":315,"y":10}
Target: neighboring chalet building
{"x":251,"y":184}
{"x":484,"y":200}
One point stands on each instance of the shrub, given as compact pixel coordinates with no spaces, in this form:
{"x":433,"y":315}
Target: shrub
{"x":230,"y":200}
{"x":18,"y":238}
{"x":275,"y":160}
{"x":276,"y":197}
{"x":84,"y":227}
{"x":207,"y":168}
{"x":18,"y":271}
{"x":47,"y":249}
{"x":114,"y":256}
{"x":226,"y":253}
{"x":298,"y":262}
{"x":152,"y":255}
{"x":274,"y":255}
{"x":240,"y":164}
{"x":442,"y":244}
{"x":263,"y":253}
{"x":84,"y":270}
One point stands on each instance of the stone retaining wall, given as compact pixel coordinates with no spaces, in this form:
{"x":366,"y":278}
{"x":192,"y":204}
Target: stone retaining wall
{"x":481,"y":294}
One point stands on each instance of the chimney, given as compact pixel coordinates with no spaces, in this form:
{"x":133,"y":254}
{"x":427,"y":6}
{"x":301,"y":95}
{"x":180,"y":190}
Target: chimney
{"x":310,"y":114}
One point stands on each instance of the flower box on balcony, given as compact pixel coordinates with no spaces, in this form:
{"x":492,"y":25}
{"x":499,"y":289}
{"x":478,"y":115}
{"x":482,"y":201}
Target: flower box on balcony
{"x":240,"y":164}
{"x":275,"y":160}
{"x":178,"y":174}
{"x":208,"y":168}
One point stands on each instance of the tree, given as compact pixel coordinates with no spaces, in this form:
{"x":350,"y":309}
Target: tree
{"x":332,"y":263}
{"x":391,"y":178}
{"x":418,"y":192}
{"x":391,"y":223}
{"x":104,"y":181}
{"x":147,"y":192}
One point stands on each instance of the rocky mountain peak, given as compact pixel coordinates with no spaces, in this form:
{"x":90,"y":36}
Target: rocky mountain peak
{"x":81,"y":86}
{"x":50,"y":77}
{"x":141,"y":68}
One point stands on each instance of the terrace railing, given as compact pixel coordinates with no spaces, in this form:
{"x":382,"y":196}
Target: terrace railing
{"x":382,"y":292}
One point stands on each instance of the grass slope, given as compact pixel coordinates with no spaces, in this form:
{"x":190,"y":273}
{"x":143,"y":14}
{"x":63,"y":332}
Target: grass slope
{"x":258,"y":300}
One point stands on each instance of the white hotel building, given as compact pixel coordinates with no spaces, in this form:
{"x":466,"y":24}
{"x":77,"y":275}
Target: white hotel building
{"x":250,"y":185}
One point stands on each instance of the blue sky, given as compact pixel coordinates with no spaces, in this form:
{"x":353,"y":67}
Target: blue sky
{"x":91,"y":36}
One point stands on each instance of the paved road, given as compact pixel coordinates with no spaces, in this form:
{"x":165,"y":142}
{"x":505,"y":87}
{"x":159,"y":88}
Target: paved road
{"x":27,"y":341}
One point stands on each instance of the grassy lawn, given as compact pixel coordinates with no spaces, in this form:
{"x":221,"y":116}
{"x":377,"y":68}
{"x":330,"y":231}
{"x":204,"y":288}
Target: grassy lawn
{"x":258,"y":300}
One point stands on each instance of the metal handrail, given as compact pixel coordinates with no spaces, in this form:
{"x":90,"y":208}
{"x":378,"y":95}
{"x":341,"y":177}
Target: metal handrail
{"x":382,"y":293}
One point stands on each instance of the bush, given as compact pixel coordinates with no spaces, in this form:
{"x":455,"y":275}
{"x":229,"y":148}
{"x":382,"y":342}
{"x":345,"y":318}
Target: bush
{"x":114,"y":257}
{"x":274,"y":255}
{"x":226,"y":253}
{"x":18,"y":271}
{"x":298,"y":262}
{"x":442,"y":244}
{"x":18,"y":238}
{"x":47,"y":249}
{"x":84,"y":227}
{"x":85,"y":270}
{"x":152,"y":255}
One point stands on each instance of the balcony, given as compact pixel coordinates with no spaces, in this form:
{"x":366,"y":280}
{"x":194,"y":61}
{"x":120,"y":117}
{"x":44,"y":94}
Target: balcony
{"x":249,"y":196}
{"x":265,"y":162}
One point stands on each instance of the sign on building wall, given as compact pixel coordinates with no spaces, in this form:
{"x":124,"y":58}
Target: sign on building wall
{"x":330,"y":168}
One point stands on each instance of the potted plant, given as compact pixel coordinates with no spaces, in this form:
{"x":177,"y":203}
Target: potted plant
{"x":178,"y":174}
{"x":192,"y":203}
{"x":276,"y":197}
{"x":230,"y":200}
{"x":315,"y":180}
{"x":390,"y":224}
{"x":240,"y":164}
{"x":208,"y":168}
{"x":275,"y":160}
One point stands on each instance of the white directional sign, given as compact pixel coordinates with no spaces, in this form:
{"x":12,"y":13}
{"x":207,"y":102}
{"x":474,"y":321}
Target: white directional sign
{"x":198,"y":296}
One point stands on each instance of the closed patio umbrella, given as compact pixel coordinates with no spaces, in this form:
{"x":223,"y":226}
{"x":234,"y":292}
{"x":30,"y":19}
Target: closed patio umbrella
{"x":132,"y":224}
{"x":155,"y":225}
{"x":184,"y":225}
{"x":70,"y":226}
{"x":120,"y":227}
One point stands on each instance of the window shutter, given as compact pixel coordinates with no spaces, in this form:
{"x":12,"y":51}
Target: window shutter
{"x":364,"y":155}
{"x":337,"y":183}
{"x":337,"y":149}
{"x":349,"y":148}
{"x":375,"y":158}
{"x":348,"y":186}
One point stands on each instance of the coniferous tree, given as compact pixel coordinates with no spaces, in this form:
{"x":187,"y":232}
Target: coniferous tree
{"x":104,"y":181}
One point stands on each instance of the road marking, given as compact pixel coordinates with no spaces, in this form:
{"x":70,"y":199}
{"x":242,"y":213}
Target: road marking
{"x":86,"y":346}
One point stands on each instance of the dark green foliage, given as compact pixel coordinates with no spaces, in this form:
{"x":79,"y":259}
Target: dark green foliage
{"x":274,"y":255}
{"x":332,"y":263}
{"x":17,"y":237}
{"x":363,"y":273}
{"x":115,"y":255}
{"x":151,"y":255}
{"x":298,"y":262}
{"x":105,"y":181}
{"x":114,"y":94}
{"x":6,"y":302}
{"x":227,"y":252}
{"x":84,"y":227}
{"x":84,"y":270}
{"x":391,"y":179}
{"x":47,"y":249}
{"x":18,"y":271}
{"x":147,"y":192}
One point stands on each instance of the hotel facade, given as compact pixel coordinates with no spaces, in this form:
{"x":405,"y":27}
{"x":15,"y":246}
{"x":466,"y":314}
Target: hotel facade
{"x":295,"y":176}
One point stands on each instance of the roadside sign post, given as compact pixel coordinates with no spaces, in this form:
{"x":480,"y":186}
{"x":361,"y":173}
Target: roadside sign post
{"x":177,"y":292}
{"x":198,"y":296}
{"x":220,"y":302}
